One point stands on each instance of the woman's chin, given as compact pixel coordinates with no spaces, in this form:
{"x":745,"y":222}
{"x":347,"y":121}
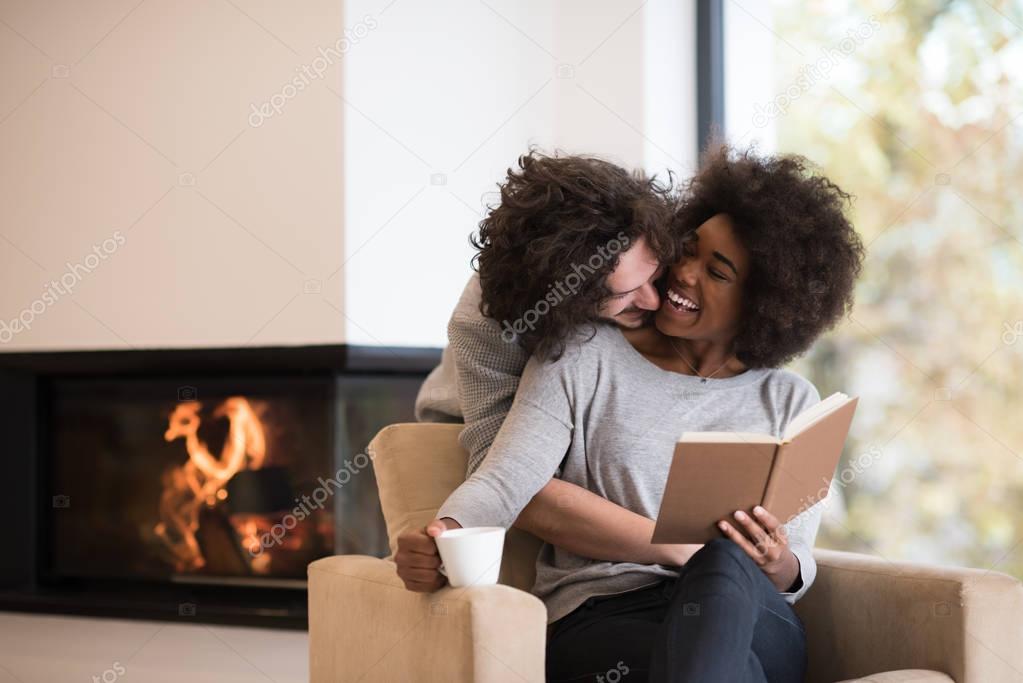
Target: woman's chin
{"x":669,"y":325}
{"x":675,"y":322}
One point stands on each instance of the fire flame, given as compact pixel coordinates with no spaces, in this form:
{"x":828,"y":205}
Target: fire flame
{"x":201,"y":480}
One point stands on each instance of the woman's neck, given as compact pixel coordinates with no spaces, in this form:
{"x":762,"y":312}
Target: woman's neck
{"x":703,"y":358}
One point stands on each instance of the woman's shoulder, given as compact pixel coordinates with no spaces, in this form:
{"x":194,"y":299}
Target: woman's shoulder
{"x":585,"y":345}
{"x":559,"y":384}
{"x":791,"y":386}
{"x":587,"y":353}
{"x":595,"y":339}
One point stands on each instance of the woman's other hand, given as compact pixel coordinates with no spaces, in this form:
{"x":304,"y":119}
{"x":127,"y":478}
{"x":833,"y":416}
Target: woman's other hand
{"x":764,"y":540}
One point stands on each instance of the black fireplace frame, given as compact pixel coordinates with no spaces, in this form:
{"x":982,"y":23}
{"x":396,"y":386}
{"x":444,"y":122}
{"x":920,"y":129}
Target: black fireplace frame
{"x":25,"y":382}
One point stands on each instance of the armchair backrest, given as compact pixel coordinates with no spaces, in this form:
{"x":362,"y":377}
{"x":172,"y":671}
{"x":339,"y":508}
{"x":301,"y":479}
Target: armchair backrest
{"x":417,"y":466}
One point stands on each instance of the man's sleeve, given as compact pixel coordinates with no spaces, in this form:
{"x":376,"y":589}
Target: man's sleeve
{"x":437,"y":400}
{"x":487,"y":371}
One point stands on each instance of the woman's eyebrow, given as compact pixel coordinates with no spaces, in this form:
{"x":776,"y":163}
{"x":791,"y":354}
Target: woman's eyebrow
{"x":721,"y":257}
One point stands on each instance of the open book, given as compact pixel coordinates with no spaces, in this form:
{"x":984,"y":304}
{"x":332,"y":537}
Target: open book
{"x":713,"y":474}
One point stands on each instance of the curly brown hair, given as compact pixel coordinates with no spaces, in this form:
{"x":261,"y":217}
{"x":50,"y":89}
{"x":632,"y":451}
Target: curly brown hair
{"x":805,"y":255}
{"x":560,"y":215}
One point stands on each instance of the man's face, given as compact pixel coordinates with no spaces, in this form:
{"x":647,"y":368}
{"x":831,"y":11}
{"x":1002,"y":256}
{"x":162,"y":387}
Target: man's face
{"x":634,"y":294}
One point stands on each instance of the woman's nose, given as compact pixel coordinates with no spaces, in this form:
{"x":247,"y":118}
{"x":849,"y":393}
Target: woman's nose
{"x":688,"y":271}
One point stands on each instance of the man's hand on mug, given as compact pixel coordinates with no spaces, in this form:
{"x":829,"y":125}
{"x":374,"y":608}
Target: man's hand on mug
{"x":418,"y":559}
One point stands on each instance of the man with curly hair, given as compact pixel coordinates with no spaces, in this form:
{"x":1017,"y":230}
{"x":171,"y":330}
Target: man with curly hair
{"x":575,"y":240}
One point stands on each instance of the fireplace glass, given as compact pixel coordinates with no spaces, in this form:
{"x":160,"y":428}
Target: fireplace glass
{"x":213,"y":480}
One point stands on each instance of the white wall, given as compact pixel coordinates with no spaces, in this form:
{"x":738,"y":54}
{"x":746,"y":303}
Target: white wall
{"x":342,"y":217}
{"x":128,"y":122}
{"x":464,"y":91}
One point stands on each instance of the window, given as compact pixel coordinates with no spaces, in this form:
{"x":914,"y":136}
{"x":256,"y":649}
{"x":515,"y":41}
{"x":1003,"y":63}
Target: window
{"x":917,"y":110}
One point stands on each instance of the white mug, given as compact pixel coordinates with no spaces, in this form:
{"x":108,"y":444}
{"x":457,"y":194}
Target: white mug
{"x":471,"y":556}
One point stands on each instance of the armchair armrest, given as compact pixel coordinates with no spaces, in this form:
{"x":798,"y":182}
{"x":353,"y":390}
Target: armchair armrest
{"x":364,"y":625}
{"x":866,"y":615}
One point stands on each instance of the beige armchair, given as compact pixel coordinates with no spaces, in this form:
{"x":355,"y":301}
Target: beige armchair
{"x":867,"y":619}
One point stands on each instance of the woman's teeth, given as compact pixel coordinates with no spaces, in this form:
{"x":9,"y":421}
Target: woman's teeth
{"x":681,"y":301}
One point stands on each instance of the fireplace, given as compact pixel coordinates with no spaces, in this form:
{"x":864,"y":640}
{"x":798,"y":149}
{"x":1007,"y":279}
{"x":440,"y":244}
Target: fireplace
{"x":192,"y":484}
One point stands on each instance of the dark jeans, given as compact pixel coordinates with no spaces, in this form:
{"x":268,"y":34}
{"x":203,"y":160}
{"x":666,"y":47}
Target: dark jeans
{"x":721,"y":620}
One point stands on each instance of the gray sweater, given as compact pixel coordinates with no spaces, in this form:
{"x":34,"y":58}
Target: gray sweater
{"x":607,"y":419}
{"x":477,"y":377}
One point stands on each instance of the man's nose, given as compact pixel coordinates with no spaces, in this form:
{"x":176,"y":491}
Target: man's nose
{"x":648,"y":297}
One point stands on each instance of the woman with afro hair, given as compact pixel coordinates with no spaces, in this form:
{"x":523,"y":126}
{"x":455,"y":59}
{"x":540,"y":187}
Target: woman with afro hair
{"x":769,"y":265}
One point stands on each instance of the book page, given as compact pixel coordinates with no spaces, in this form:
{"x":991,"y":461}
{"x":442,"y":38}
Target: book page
{"x":726,"y":437}
{"x":805,"y":466}
{"x":814,"y":413}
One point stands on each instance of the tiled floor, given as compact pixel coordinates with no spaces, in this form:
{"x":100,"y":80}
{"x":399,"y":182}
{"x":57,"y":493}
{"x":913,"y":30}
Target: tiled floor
{"x":53,"y":649}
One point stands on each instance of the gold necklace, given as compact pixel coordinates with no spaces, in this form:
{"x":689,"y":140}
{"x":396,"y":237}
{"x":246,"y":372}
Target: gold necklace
{"x":703,"y":380}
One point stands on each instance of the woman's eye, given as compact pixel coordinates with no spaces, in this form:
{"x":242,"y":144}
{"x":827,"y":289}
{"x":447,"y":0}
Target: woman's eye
{"x":717,"y":274}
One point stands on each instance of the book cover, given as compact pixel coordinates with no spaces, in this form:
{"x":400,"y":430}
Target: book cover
{"x":713,"y":474}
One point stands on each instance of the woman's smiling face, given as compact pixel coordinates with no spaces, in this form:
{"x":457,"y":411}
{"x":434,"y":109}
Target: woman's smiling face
{"x":703,"y":291}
